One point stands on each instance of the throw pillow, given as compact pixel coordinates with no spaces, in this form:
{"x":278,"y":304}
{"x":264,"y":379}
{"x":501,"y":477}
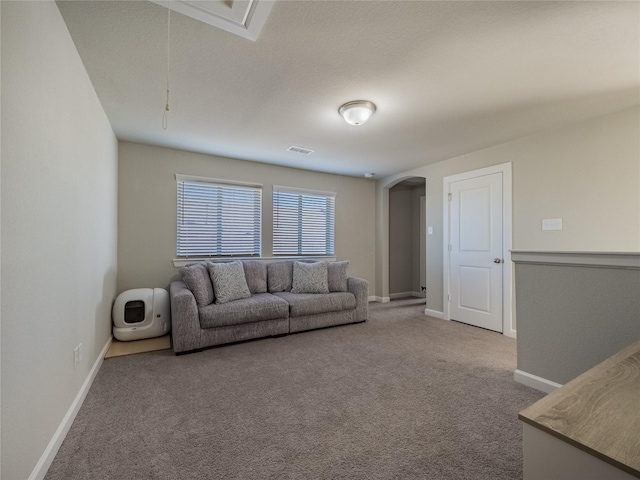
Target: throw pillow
{"x":228,"y":281}
{"x":280,"y":276}
{"x":310,"y":278}
{"x":256,"y":275}
{"x":196,"y":277}
{"x":337,"y":273}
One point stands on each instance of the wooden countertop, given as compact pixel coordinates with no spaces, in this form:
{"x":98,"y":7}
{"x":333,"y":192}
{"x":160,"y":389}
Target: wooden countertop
{"x":598,"y":412}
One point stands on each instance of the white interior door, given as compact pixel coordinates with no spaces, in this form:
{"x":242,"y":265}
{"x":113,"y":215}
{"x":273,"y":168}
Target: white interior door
{"x":475,"y":222}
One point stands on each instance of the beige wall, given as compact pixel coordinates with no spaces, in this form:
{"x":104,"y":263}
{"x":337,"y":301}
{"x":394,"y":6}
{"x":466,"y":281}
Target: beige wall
{"x":571,"y":318}
{"x":587,"y":173}
{"x":418,"y":238}
{"x":59,"y":207}
{"x":400,"y":240}
{"x":147,"y":209}
{"x":404,"y":239}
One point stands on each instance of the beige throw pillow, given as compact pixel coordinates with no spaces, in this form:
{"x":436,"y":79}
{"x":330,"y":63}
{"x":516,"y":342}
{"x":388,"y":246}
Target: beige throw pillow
{"x":310,"y":278}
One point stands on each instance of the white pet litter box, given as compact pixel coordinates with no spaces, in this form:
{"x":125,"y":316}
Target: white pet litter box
{"x":141,"y":313}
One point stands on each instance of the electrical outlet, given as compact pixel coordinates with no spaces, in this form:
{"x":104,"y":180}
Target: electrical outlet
{"x":77,"y":356}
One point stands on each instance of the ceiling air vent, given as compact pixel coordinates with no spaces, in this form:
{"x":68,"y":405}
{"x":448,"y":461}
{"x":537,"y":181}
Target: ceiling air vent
{"x":304,"y":151}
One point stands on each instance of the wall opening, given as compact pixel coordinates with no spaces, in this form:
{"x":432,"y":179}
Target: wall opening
{"x":407,"y":239}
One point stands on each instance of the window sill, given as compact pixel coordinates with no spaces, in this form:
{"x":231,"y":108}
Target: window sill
{"x":183,"y":262}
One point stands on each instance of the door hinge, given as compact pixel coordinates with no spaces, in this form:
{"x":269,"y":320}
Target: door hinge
{"x":448,"y":298}
{"x":449,"y":197}
{"x":449,"y":247}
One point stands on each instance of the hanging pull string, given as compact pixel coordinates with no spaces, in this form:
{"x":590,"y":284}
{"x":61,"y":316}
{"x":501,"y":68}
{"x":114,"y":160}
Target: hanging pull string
{"x":165,"y":115}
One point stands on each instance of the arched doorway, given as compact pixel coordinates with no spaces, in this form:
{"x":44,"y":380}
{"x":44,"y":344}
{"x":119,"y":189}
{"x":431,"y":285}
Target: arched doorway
{"x":407,"y":239}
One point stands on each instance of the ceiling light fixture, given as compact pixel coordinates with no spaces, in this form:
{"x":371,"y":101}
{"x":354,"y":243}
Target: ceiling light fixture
{"x":357,"y":112}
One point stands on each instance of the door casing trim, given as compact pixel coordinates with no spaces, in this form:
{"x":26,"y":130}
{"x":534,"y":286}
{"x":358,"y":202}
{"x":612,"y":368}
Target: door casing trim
{"x":508,"y":300}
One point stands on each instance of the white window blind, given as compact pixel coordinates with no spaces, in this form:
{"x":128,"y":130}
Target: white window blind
{"x":303,"y":222}
{"x":218,"y":219}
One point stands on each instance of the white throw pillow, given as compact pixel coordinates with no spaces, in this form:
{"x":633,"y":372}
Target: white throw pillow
{"x":228,"y":281}
{"x":310,"y":278}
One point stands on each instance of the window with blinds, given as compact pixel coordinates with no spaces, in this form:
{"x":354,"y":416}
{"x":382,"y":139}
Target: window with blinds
{"x":217,"y":219}
{"x":303,"y":222}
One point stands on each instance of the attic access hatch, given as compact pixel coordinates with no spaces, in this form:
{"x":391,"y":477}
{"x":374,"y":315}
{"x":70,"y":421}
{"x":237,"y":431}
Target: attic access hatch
{"x":244,"y":18}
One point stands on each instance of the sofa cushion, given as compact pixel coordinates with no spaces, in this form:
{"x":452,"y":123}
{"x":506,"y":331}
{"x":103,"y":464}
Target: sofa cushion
{"x":196,"y":277}
{"x":311,"y":303}
{"x":255,"y":273}
{"x":228,"y":281}
{"x":258,"y":307}
{"x":280,"y":276}
{"x":337,"y":276}
{"x":310,"y":278}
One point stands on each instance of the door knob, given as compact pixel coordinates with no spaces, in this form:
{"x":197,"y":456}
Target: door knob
{"x":497,"y":260}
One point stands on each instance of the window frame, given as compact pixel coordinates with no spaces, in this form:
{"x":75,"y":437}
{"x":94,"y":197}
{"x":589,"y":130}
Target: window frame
{"x":217,"y":182}
{"x":300,"y":248}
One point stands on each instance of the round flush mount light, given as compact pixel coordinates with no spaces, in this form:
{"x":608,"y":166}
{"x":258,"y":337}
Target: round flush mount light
{"x":357,"y":112}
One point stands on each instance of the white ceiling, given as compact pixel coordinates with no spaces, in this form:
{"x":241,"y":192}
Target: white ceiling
{"x":447,"y":77}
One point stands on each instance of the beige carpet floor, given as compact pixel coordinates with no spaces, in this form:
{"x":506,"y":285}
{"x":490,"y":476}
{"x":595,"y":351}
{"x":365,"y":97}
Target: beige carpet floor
{"x":118,"y":348}
{"x":402,"y":396}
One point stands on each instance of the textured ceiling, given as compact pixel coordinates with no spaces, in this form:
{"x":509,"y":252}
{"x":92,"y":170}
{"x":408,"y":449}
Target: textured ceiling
{"x":447,"y":77}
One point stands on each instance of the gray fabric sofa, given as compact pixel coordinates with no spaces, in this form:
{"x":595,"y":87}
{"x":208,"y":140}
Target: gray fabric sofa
{"x":272,"y":309}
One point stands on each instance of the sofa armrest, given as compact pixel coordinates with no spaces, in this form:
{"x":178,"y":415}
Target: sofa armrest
{"x":185,"y":321}
{"x":360,"y":288}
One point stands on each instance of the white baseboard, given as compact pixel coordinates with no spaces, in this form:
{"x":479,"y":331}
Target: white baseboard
{"x":49,"y":453}
{"x":434,"y":313}
{"x":393,"y":296}
{"x":536,"y":382}
{"x":379,"y":299}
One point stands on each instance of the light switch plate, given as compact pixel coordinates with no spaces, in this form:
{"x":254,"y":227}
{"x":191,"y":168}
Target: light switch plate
{"x":552,"y":224}
{"x":429,"y":230}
